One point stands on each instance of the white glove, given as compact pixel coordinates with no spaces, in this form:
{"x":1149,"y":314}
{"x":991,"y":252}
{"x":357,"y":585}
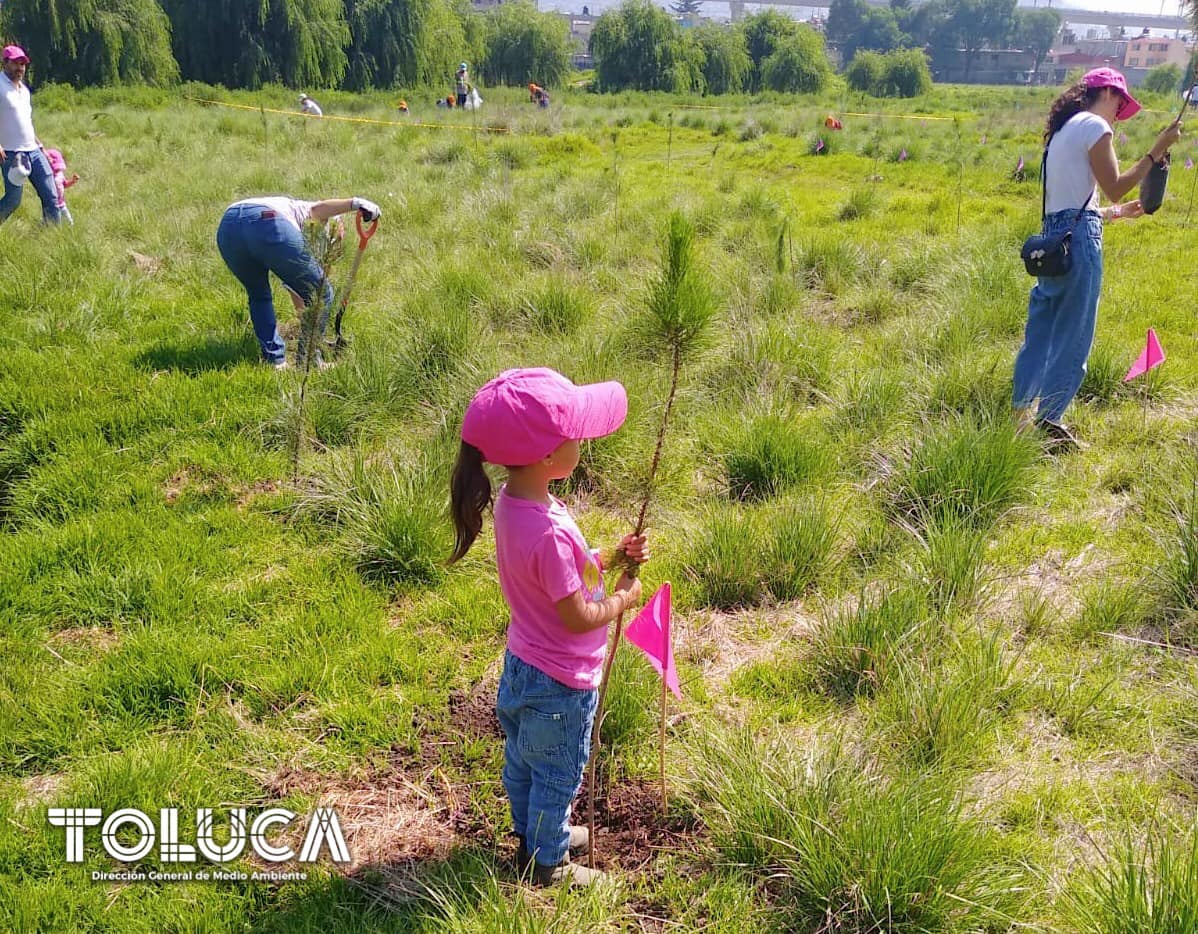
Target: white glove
{"x":370,"y":210}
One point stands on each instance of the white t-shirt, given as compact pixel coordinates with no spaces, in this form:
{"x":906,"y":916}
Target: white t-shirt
{"x":1070,"y":178}
{"x":297,"y":212}
{"x":16,"y":117}
{"x":311,"y":107}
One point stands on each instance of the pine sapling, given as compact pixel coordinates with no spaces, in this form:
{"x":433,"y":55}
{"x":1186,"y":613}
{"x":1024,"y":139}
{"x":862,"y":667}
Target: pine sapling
{"x":326,"y":246}
{"x":676,"y":327}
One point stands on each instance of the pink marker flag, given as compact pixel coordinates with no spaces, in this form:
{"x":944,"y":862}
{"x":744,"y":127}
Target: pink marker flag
{"x":1122,"y":138}
{"x":1153,"y":355}
{"x":903,"y":155}
{"x":650,"y":632}
{"x":819,"y":144}
{"x":1020,"y":165}
{"x":1189,"y":163}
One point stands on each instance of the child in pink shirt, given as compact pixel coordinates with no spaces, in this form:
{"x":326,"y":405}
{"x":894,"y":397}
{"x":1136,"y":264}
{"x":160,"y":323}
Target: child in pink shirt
{"x":531,"y":421}
{"x":58,"y":165}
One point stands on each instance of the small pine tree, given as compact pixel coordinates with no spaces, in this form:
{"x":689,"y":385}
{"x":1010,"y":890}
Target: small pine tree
{"x":687,"y":7}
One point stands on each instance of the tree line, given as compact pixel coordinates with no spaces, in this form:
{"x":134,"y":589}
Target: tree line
{"x":943,"y":28}
{"x":361,"y":44}
{"x":352,"y":44}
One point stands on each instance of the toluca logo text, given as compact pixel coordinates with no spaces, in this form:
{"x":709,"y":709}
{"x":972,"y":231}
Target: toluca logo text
{"x":323,"y":827}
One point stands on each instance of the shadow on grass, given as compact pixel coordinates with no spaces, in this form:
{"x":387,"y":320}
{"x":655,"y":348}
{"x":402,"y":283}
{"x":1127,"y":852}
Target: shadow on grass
{"x":415,"y":895}
{"x":213,"y":352}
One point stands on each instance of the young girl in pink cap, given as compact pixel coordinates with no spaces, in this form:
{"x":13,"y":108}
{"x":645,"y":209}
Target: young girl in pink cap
{"x":58,"y":165}
{"x":531,"y":421}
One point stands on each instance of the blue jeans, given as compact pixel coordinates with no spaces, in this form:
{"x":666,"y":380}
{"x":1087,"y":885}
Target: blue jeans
{"x":1061,"y":315}
{"x":42,"y":180}
{"x":548,"y":730}
{"x":255,"y":242}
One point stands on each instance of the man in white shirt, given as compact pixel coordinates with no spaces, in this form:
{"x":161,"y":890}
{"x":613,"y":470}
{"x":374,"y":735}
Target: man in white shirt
{"x":309,"y":106}
{"x":18,"y":142}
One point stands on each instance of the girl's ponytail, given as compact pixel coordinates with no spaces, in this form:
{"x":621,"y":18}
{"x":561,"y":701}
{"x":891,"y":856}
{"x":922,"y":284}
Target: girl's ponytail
{"x":469,"y":497}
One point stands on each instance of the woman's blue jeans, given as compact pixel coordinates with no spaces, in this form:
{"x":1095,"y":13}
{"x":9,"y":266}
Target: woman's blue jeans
{"x":254,"y":242}
{"x":548,"y":730}
{"x":42,"y":180}
{"x":1061,"y":315}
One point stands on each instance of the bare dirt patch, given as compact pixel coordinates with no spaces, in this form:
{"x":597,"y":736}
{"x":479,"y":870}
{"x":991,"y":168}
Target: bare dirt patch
{"x":245,"y":496}
{"x":93,"y":637}
{"x":38,"y":790}
{"x":630,"y":828}
{"x":721,"y":643}
{"x":421,"y":805}
{"x":1054,"y":579}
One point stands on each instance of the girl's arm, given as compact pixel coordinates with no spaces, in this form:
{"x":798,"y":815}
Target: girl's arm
{"x":1105,"y":165}
{"x":580,"y":616}
{"x":70,"y":182}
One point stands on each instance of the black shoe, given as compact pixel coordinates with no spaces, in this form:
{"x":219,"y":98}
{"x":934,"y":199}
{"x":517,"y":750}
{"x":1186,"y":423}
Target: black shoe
{"x":1060,"y":438}
{"x":580,"y":845}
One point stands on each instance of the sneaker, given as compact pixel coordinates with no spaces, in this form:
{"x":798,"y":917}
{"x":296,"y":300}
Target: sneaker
{"x":1060,"y":438}
{"x":574,"y":875}
{"x":580,"y":845}
{"x":279,"y":364}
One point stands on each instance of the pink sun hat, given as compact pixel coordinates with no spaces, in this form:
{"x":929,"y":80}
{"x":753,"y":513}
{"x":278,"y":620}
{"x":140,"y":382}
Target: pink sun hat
{"x":1109,"y":78}
{"x":14,"y":53}
{"x":523,"y":415}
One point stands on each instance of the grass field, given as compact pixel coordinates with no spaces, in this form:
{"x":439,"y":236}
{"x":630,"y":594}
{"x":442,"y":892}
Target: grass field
{"x":935,"y":679}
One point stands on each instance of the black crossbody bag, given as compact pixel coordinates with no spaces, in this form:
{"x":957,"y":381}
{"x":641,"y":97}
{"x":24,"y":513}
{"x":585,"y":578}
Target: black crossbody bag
{"x":1049,"y":255}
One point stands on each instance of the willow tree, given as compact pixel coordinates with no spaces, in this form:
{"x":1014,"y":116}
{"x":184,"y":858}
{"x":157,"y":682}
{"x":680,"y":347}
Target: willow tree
{"x":403,"y":42}
{"x":525,"y":45}
{"x":246,"y":43}
{"x":87,"y":42}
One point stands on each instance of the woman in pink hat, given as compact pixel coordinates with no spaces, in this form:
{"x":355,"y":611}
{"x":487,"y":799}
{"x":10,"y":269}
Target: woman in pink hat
{"x":1062,"y":310}
{"x":531,"y":422}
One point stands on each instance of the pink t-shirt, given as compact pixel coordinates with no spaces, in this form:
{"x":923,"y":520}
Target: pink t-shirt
{"x":542,"y":559}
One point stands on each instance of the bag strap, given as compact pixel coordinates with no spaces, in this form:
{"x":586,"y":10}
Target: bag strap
{"x":1044,"y":185}
{"x":1044,"y":193}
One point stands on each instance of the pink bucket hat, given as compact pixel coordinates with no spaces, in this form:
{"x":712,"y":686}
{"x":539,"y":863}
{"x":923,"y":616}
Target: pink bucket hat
{"x":57,"y":162}
{"x":1109,"y":78}
{"x":14,"y":53}
{"x":524,"y":415}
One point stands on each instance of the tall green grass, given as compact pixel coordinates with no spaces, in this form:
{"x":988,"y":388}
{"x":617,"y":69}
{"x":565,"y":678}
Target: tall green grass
{"x":855,"y":652}
{"x":1144,"y":885}
{"x":847,"y":850}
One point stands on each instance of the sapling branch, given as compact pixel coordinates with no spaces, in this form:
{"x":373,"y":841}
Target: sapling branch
{"x":680,"y":309}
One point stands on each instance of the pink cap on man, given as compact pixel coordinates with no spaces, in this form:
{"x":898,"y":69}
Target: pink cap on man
{"x":522,"y":416}
{"x":14,"y":53}
{"x":1109,"y":78}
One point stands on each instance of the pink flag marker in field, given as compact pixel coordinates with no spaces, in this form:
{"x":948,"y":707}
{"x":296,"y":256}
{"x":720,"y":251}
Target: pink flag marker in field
{"x":819,"y":144}
{"x":903,"y":155}
{"x":983,"y":139}
{"x":1153,"y":356}
{"x":1019,"y":166}
{"x":1122,"y":138}
{"x":1189,"y":162}
{"x":650,"y":632}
